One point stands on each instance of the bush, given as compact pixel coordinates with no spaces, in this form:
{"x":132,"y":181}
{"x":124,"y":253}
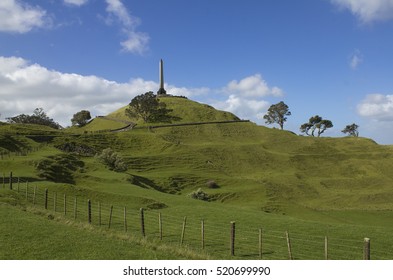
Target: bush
{"x":112,"y":160}
{"x":199,"y":194}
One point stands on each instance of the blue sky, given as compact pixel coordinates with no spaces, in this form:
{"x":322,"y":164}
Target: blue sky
{"x":327,"y":57}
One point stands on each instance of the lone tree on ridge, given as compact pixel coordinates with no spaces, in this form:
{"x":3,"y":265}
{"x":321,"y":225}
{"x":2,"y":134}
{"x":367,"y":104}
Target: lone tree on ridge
{"x":277,"y":114}
{"x":351,"y":130}
{"x":316,"y":123}
{"x":148,"y":108}
{"x":81,"y":118}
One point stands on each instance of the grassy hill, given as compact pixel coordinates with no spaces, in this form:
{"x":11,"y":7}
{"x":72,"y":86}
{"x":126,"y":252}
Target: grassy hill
{"x":340,"y":187}
{"x":183,"y":111}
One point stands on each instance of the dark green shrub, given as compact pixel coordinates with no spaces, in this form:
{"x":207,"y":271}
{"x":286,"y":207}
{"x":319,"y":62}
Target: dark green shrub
{"x":112,"y":160}
{"x":199,"y":194}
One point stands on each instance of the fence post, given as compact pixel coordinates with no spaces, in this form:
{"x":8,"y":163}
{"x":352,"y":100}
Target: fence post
{"x":3,"y":180}
{"x":183,"y":230}
{"x":366,"y":249}
{"x":18,"y":183}
{"x":54,"y":201}
{"x":65,"y":205}
{"x":326,"y":248}
{"x":160,"y":224}
{"x":110,"y":217}
{"x":233,"y":231}
{"x":11,"y":180}
{"x":289,"y":245}
{"x":34,"y":191}
{"x":27,"y":190}
{"x":142,"y":222}
{"x":46,"y":198}
{"x":89,"y":211}
{"x":203,"y":233}
{"x":260,"y":243}
{"x":99,"y":214}
{"x":125,"y":218}
{"x":75,"y":207}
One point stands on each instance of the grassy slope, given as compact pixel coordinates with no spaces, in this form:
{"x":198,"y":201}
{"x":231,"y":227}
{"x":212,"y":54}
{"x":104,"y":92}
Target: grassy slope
{"x":339,"y":187}
{"x":37,"y":234}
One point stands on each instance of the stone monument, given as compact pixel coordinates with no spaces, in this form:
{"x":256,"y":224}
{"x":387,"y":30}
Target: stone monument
{"x":161,"y":91}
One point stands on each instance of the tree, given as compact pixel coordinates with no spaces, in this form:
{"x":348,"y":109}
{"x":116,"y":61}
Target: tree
{"x":38,"y":117}
{"x":351,"y":130}
{"x":316,"y":123}
{"x":81,"y":118}
{"x":277,"y":114}
{"x":148,"y":108}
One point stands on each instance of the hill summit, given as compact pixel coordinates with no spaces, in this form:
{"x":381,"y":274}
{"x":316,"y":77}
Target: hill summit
{"x":182,"y":109}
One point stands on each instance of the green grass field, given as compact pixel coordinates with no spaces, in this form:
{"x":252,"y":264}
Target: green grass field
{"x":266,"y":178}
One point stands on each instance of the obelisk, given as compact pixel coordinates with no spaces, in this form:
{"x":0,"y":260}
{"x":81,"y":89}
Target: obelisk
{"x":161,"y":91}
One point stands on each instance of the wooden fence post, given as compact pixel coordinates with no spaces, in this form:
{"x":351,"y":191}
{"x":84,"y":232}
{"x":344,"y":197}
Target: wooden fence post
{"x":260,"y":243}
{"x":99,"y":214}
{"x":289,"y":245}
{"x":142,"y":214}
{"x":366,"y":249}
{"x":65,"y":205}
{"x":46,"y":198}
{"x":54,"y":201}
{"x":34,"y":192}
{"x":160,"y":224}
{"x":203,"y":233}
{"x":11,"y":180}
{"x":89,"y":211}
{"x":183,"y":230}
{"x":326,"y":248}
{"x":18,"y":184}
{"x":27,"y":191}
{"x":110,"y":217}
{"x":3,"y":180}
{"x":233,"y":233}
{"x":75,"y":208}
{"x":125,"y":219}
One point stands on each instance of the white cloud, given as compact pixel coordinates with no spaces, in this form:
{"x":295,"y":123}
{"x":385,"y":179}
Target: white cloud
{"x":377,"y":107}
{"x":18,"y":17}
{"x":25,"y":86}
{"x":76,"y":2}
{"x":252,"y":86}
{"x":245,"y":97}
{"x":368,"y":10}
{"x":136,"y":42}
{"x":355,"y":60}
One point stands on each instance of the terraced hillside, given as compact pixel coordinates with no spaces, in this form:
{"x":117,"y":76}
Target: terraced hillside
{"x":248,"y":173}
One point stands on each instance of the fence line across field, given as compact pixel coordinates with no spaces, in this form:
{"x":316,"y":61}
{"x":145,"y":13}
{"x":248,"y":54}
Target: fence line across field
{"x":198,"y":233}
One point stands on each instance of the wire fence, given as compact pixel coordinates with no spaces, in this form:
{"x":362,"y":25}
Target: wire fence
{"x":219,"y":239}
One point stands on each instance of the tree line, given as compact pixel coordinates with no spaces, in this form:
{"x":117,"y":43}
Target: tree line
{"x":277,"y":113}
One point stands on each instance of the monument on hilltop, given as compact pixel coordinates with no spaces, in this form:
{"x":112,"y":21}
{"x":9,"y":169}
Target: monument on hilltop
{"x":161,"y":90}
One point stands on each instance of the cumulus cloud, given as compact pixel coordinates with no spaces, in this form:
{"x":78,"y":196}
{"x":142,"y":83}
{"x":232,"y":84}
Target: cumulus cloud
{"x":368,"y":10}
{"x":252,"y":86}
{"x":76,"y":2}
{"x":355,"y":60}
{"x":19,"y":17}
{"x":135,"y":42}
{"x":245,"y":98}
{"x":25,"y":86}
{"x":377,"y":107}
